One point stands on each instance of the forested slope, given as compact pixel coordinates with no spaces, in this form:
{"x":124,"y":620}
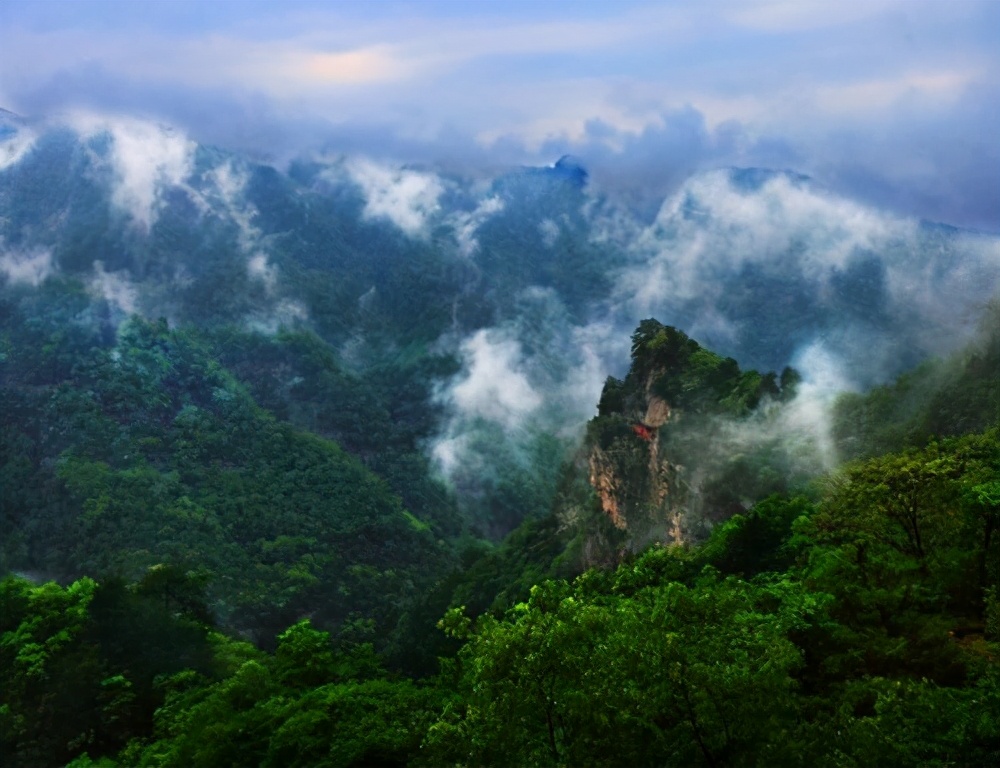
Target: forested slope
{"x":121,"y":456}
{"x":855,"y":622}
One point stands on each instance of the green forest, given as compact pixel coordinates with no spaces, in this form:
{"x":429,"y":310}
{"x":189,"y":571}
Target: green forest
{"x":230,"y":589}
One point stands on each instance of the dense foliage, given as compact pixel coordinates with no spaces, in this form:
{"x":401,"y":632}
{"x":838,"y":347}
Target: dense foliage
{"x":120,"y":457}
{"x":857,"y":627}
{"x":856,"y":622}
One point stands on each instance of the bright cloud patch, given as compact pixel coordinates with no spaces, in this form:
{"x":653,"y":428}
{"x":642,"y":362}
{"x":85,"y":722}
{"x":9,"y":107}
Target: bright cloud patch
{"x":30,"y":268}
{"x":259,"y":268}
{"x":230,"y":183}
{"x":809,"y":416}
{"x":115,"y":288}
{"x":495,"y":387}
{"x":14,"y":147}
{"x":466,"y":224}
{"x":145,"y":158}
{"x":549,"y":231}
{"x":227,"y":192}
{"x":713,"y":226}
{"x":759,"y":264}
{"x":407,"y":198}
{"x":285,"y":314}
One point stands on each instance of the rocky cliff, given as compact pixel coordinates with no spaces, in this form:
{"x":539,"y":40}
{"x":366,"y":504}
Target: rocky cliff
{"x":651,"y":454}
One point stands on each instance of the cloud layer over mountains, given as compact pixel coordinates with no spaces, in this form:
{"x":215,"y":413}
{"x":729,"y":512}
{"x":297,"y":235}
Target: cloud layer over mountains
{"x":545,"y":278}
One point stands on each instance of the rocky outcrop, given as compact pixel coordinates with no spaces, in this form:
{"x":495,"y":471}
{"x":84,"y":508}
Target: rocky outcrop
{"x":638,"y":486}
{"x":657,"y":412}
{"x":606,"y":483}
{"x":651,"y":454}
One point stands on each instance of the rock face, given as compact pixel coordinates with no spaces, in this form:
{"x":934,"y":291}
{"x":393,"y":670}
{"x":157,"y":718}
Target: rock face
{"x":650,"y":454}
{"x":605,"y":481}
{"x":639,"y":488}
{"x":657,"y":412}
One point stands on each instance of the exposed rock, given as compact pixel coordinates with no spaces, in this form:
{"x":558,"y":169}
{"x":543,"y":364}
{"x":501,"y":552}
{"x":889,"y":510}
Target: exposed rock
{"x":647,"y":449}
{"x":657,"y":412}
{"x":605,"y":481}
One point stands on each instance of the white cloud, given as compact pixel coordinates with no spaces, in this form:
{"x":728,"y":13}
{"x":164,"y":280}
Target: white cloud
{"x":227,"y":189}
{"x":492,"y":389}
{"x":287,"y":313}
{"x":26,"y":267}
{"x":14,"y":147}
{"x":549,"y":231}
{"x":599,"y":349}
{"x":711,"y":227}
{"x":451,"y":452}
{"x":115,"y":287}
{"x":374,"y":64}
{"x":230,"y":185}
{"x":259,"y":268}
{"x":802,"y":15}
{"x":466,"y":224}
{"x":537,"y":374}
{"x":407,"y":198}
{"x":865,"y":97}
{"x":145,"y":157}
{"x":761,"y":267}
{"x":495,"y":385}
{"x":808,"y":417}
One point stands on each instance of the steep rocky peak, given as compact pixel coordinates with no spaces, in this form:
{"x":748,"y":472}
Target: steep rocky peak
{"x":647,"y":449}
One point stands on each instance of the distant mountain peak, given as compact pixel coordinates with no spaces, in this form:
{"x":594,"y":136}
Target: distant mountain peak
{"x":571,"y":168}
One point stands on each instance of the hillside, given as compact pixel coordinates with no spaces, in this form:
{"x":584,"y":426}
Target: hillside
{"x":346,"y":463}
{"x":858,"y":621}
{"x":435,"y":325}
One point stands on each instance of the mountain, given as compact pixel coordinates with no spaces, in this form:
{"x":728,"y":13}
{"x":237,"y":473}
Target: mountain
{"x":857,"y":618}
{"x":657,"y":451}
{"x":453,"y":335}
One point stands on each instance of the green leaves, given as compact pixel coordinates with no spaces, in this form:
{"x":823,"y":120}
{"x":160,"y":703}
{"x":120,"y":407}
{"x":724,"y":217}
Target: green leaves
{"x":671,"y":674}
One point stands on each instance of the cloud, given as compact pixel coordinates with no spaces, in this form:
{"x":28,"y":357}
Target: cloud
{"x":30,"y":267}
{"x":528,"y":384}
{"x":466,"y":224}
{"x":407,"y":198}
{"x":800,"y":15}
{"x":767,"y":267}
{"x":494,"y":386}
{"x":229,"y":183}
{"x":757,"y":264}
{"x":116,"y":288}
{"x":711,"y":228}
{"x":145,"y":157}
{"x":365,"y":65}
{"x":808,"y":419}
{"x":259,"y":268}
{"x":891,"y":101}
{"x":287,"y":313}
{"x":549,"y":231}
{"x":869,"y":96}
{"x":226,"y":195}
{"x":14,"y":146}
{"x":491,"y":396}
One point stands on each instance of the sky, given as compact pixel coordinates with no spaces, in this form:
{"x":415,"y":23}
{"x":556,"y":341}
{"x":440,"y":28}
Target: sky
{"x":893,"y":102}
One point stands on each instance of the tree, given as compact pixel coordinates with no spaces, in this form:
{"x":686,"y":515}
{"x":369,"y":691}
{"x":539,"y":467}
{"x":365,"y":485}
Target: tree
{"x":671,"y":675}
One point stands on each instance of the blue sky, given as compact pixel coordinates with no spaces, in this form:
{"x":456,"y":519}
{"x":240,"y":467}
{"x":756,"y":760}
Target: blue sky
{"x":896,"y":102}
